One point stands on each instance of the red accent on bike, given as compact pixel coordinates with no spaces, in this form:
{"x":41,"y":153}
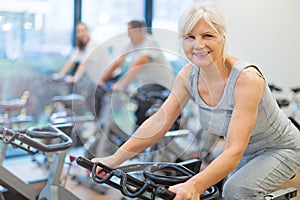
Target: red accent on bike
{"x":72,"y":158}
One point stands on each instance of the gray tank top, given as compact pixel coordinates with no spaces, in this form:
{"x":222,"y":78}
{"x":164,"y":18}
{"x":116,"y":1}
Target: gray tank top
{"x":271,"y":122}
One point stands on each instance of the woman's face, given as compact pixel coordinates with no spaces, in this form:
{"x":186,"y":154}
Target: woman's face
{"x":203,"y":45}
{"x":82,"y":33}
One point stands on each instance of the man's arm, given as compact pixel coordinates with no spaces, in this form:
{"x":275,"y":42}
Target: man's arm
{"x":132,"y":71}
{"x":108,"y":73}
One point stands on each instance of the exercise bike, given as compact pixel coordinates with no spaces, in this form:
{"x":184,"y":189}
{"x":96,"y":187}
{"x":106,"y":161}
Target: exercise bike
{"x":31,"y":141}
{"x":157,"y":177}
{"x":65,"y":108}
{"x":9,"y":119}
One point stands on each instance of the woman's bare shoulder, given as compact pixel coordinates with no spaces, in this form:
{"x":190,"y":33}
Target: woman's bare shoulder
{"x":185,"y":70}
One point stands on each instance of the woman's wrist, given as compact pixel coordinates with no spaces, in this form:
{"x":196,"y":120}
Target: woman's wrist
{"x":194,"y":184}
{"x":122,"y":155}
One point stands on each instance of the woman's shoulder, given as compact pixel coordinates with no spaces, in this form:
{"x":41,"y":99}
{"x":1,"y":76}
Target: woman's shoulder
{"x":186,"y":69}
{"x":231,"y":61}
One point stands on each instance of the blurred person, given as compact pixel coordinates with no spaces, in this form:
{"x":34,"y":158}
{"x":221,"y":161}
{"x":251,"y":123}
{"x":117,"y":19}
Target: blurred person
{"x":84,"y":45}
{"x":86,"y":64}
{"x":148,"y":64}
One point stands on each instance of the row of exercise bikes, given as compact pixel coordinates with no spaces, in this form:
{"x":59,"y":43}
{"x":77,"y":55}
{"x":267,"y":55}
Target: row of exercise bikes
{"x":148,"y":177}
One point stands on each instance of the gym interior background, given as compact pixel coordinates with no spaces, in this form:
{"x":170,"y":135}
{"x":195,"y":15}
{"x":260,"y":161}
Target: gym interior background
{"x":37,"y":37}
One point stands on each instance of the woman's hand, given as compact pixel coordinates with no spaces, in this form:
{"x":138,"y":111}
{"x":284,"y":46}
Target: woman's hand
{"x":185,"y":191}
{"x":106,"y":161}
{"x":69,"y":79}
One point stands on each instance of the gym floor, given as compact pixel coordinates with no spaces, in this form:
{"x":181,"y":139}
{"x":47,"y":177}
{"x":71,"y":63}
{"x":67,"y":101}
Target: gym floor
{"x":24,"y":168}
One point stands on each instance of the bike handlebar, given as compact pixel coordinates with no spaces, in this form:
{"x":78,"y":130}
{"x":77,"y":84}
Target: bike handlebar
{"x":140,"y":187}
{"x":181,"y":174}
{"x":29,"y":137}
{"x":154,"y":184}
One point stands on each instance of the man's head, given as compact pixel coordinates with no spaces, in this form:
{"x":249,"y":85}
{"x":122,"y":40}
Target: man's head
{"x":136,"y":31}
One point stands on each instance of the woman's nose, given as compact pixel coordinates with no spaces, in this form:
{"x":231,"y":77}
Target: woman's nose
{"x":199,"y":43}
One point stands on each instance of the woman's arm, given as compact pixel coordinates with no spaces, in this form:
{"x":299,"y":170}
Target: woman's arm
{"x":79,"y":72}
{"x":68,"y":65}
{"x":66,"y":68}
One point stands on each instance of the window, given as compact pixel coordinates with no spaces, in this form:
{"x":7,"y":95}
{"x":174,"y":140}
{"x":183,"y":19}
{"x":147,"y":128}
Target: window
{"x":167,"y":12}
{"x":109,"y":18}
{"x":33,"y":28}
{"x":36,"y":36}
{"x":164,"y":28}
{"x":35,"y":39}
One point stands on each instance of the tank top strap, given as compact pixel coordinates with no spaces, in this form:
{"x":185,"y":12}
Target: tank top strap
{"x":235,"y":72}
{"x":192,"y":82}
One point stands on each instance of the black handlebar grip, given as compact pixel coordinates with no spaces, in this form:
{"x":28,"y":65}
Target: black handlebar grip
{"x":83,"y":162}
{"x":164,"y":193}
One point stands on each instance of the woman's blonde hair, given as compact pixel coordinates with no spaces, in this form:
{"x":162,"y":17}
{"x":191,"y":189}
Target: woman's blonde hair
{"x":203,"y":10}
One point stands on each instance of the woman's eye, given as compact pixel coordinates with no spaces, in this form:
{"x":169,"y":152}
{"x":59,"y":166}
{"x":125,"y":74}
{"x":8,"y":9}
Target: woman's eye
{"x":207,"y":36}
{"x":189,"y":37}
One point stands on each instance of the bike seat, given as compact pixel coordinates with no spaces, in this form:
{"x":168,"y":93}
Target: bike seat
{"x":70,"y":99}
{"x":13,"y":104}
